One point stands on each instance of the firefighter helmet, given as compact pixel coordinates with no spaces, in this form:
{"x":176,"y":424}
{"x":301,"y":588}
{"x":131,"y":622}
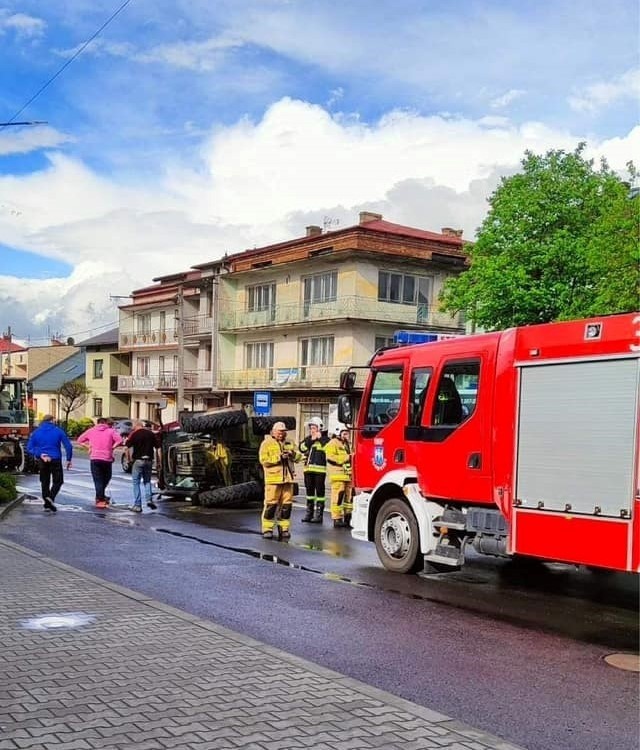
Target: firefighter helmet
{"x":339,"y":429}
{"x":317,"y":422}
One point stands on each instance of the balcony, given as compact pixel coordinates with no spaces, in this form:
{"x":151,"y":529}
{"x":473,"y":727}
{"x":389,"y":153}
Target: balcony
{"x":147,"y":340}
{"x":193,"y":380}
{"x":200,"y":325}
{"x":283,"y":378}
{"x":354,"y":308}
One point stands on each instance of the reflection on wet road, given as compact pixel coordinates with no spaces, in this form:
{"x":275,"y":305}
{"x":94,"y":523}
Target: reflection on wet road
{"x":589,"y":606}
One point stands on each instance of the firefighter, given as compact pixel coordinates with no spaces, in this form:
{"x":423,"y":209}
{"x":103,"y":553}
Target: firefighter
{"x":315,"y":469}
{"x":277,"y":456}
{"x":338,"y":452}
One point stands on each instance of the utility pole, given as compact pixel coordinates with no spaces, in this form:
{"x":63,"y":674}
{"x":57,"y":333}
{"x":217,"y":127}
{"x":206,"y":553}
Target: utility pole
{"x":180,"y":373}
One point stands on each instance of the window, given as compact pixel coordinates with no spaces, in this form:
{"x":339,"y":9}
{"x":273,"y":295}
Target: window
{"x":142,"y":367}
{"x":323,"y":287}
{"x":404,"y":289}
{"x":457,"y":393}
{"x":261,"y":297}
{"x":316,"y":351}
{"x":98,"y":369}
{"x":418,"y":394}
{"x":143,"y":323}
{"x":382,"y":341}
{"x":259,"y":355}
{"x":384,"y":399}
{"x":97,"y":407}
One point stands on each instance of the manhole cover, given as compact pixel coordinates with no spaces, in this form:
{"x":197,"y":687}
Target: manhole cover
{"x":57,"y":621}
{"x":628,"y":662}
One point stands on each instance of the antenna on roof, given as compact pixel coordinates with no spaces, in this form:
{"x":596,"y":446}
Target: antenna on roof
{"x":328,"y":222}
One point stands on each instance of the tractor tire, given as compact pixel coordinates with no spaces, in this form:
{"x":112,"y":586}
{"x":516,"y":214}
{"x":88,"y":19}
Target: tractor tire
{"x":213,"y":422}
{"x":264,"y":425}
{"x":237,"y":495}
{"x":126,"y":465}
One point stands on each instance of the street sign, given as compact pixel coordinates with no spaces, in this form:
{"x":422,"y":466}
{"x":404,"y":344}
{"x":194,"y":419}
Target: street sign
{"x":262,"y":403}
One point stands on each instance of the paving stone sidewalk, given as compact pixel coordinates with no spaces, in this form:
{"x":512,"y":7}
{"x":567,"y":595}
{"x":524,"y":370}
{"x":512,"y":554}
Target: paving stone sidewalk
{"x":141,"y":674}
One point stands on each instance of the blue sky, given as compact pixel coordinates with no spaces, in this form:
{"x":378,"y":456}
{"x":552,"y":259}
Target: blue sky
{"x":191,"y":128}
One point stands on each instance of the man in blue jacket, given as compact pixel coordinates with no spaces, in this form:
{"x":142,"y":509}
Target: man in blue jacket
{"x":46,"y":444}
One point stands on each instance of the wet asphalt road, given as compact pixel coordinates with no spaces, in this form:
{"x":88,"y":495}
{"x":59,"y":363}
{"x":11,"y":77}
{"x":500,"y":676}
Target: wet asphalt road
{"x":515,"y":652}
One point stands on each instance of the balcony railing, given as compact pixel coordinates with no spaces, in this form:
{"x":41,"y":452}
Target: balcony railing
{"x":147,"y":339}
{"x":199,"y":325}
{"x":307,"y":377}
{"x":361,"y":308}
{"x":193,"y":379}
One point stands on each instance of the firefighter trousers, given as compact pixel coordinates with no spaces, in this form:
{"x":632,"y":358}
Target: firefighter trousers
{"x":314,"y":485}
{"x":341,"y":500}
{"x":278,"y":499}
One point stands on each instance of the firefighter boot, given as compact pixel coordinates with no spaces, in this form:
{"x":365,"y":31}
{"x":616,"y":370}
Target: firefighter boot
{"x":308,"y":516}
{"x":347,"y":520}
{"x":318,"y":516}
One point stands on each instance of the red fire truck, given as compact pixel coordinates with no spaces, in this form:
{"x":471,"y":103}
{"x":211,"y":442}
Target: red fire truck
{"x":517,"y":443}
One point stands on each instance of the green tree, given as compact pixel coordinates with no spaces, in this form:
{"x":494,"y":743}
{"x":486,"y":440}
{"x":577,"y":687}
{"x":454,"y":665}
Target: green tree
{"x":72,"y":394}
{"x":560,"y":241}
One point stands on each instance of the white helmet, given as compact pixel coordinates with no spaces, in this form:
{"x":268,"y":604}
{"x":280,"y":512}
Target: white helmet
{"x":317,"y":422}
{"x":339,"y":429}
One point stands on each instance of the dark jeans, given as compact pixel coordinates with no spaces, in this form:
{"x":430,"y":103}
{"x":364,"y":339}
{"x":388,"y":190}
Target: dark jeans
{"x":51,"y":477}
{"x":101,"y":472}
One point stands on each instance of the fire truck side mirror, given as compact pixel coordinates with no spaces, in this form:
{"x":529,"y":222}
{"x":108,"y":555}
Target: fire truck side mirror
{"x":347,"y":380}
{"x":345,"y":409}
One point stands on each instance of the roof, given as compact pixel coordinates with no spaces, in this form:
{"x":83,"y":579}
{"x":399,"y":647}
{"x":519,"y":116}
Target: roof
{"x":102,"y":339}
{"x":9,"y":346}
{"x":444,"y":243}
{"x":380,"y":225}
{"x":71,"y":368}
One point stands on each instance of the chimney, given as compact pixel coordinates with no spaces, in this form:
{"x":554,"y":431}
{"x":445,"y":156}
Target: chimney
{"x":7,"y":336}
{"x":313,"y":230}
{"x":449,"y":232}
{"x":366,"y":216}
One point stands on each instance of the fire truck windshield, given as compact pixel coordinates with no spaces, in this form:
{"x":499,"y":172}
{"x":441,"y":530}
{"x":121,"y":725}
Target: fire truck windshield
{"x":13,"y":408}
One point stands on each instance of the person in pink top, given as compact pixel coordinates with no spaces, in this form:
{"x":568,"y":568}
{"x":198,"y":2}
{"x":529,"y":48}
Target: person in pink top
{"x":101,"y":439}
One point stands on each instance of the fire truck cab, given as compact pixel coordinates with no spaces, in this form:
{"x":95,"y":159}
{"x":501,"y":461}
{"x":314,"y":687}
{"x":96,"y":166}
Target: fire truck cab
{"x":522,"y":442}
{"x":14,"y":423}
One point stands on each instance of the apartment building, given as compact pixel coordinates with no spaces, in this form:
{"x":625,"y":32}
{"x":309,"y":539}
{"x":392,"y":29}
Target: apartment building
{"x":167,"y":332}
{"x":103,"y":364}
{"x":294,"y":315}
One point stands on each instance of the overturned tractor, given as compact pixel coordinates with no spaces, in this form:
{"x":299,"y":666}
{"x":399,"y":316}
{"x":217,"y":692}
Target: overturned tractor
{"x":211,"y":458}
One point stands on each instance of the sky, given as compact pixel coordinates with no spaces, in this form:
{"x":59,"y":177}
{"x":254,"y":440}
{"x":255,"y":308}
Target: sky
{"x":191,"y":128}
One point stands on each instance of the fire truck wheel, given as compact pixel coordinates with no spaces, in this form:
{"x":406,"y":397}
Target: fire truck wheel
{"x":397,"y":537}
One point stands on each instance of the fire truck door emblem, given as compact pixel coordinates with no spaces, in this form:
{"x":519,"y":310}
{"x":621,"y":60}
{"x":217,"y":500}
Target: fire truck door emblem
{"x":379,"y":461}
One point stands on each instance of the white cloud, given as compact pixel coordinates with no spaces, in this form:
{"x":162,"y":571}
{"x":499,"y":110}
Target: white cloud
{"x":602,"y":94}
{"x":505,"y":99}
{"x":27,"y":139}
{"x":21,"y":24}
{"x":255,"y":183}
{"x":202,"y":56}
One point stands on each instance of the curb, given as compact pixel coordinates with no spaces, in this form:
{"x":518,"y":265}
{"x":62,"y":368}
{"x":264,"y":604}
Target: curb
{"x":6,"y":509}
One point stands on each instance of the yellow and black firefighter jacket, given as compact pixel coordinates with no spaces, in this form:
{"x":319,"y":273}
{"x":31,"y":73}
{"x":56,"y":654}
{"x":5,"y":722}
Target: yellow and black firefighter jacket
{"x":278,"y":460}
{"x":338,"y":454}
{"x":313,"y":452}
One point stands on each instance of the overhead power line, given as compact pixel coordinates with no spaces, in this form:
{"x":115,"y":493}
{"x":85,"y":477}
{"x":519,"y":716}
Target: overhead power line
{"x":77,"y":53}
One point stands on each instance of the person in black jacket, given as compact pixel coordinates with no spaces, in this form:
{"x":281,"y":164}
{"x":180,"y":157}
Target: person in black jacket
{"x":315,"y":469}
{"x":141,"y":445}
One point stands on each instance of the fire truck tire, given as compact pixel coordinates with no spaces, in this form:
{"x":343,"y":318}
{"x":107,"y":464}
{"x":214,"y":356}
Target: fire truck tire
{"x":397,"y":537}
{"x":214,"y":422}
{"x":239,"y":495}
{"x":263,"y":425}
